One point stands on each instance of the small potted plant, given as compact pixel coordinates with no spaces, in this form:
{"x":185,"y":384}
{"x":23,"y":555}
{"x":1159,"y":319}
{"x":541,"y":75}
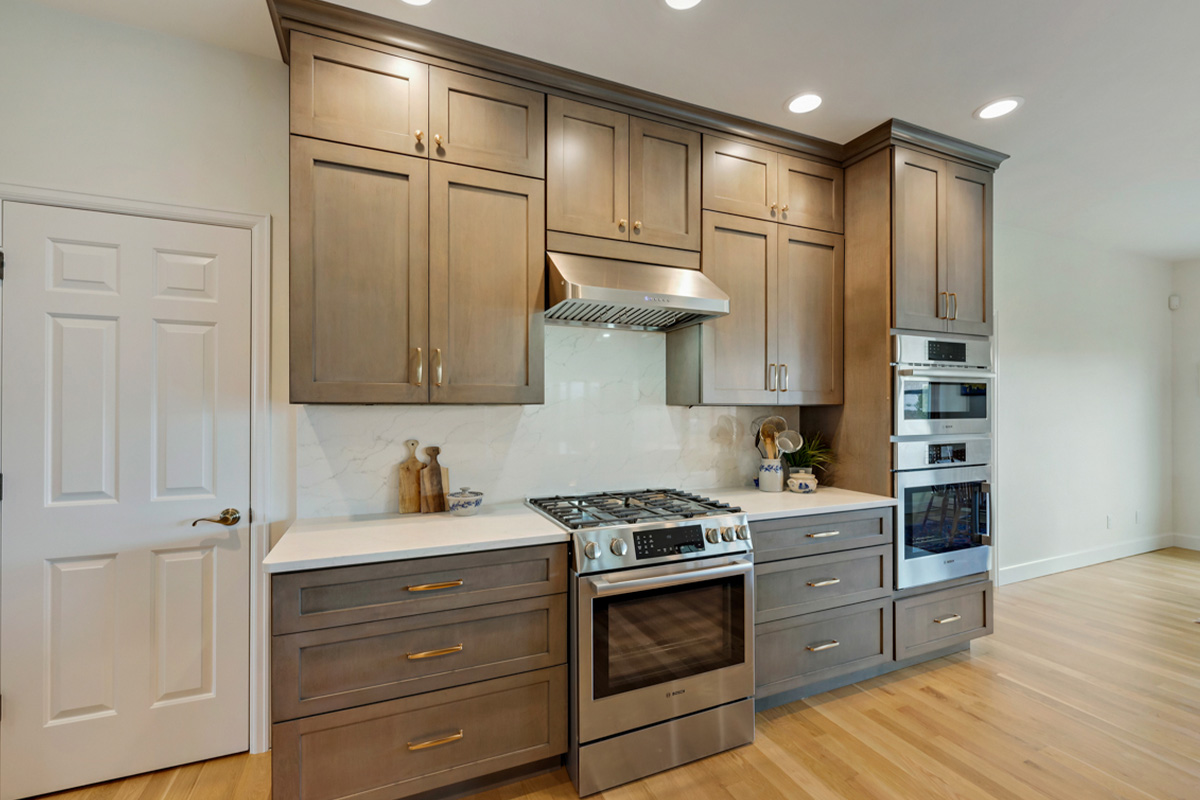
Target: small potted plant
{"x":815,"y":454}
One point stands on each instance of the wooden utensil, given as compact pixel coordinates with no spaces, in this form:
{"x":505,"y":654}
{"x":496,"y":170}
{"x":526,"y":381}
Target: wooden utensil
{"x":410,"y":480}
{"x":434,"y":479}
{"x":768,"y":437}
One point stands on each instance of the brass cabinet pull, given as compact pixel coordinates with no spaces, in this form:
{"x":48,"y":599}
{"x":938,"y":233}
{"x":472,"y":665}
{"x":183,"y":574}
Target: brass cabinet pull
{"x":772,"y":378}
{"x":954,"y":297}
{"x":454,"y":737}
{"x":823,"y":534}
{"x":637,"y":224}
{"x":783,"y":376}
{"x":418,"y":135}
{"x":774,"y":206}
{"x":420,"y":367}
{"x":819,"y":647}
{"x":433,"y":587}
{"x":825,"y":582}
{"x":437,"y":138}
{"x":785,"y":207}
{"x":437,"y":370}
{"x":951,"y":618}
{"x":445,"y":651}
{"x":943,"y":302}
{"x":230,"y":517}
{"x":621,"y":223}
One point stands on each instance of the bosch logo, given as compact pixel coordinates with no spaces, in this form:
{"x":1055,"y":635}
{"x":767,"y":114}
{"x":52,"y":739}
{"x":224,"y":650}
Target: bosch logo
{"x":676,"y":692}
{"x":652,"y":299}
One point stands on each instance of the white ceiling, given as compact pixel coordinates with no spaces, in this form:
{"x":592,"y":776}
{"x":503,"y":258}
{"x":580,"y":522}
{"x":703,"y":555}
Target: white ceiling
{"x":1125,"y":175}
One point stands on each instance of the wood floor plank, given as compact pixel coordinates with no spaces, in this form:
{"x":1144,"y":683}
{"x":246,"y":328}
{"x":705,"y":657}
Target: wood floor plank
{"x":1089,"y":690}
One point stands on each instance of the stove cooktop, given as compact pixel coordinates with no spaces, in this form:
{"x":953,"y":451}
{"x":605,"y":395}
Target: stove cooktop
{"x":605,"y":509}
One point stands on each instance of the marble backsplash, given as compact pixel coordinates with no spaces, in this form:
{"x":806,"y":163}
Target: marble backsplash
{"x":605,"y":425}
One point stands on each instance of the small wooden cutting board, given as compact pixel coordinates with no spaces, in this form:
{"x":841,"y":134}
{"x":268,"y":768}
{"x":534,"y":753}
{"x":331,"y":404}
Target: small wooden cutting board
{"x":434,"y":478}
{"x":410,"y":480}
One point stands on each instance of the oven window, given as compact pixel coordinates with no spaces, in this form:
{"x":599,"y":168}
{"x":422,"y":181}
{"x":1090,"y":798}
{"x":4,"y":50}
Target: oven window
{"x":944,"y":518}
{"x":944,"y":400}
{"x":662,"y":635}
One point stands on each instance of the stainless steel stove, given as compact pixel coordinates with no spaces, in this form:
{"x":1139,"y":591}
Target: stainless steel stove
{"x":662,"y":654}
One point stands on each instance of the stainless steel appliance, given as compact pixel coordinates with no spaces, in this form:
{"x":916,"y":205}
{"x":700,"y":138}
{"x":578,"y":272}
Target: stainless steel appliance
{"x":943,"y":486}
{"x":943,"y":385}
{"x":662,"y":651}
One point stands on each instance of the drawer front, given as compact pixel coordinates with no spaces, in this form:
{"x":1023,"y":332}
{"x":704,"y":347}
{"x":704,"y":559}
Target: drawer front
{"x":305,"y":601}
{"x":930,"y":622}
{"x":803,"y":585}
{"x":775,"y":539}
{"x":402,"y":747}
{"x":314,"y":672}
{"x":798,"y":651}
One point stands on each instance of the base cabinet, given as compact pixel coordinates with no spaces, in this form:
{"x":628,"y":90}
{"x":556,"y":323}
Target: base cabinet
{"x":934,"y":621}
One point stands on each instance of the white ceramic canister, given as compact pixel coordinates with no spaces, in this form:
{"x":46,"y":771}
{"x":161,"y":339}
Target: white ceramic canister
{"x":770,"y":475}
{"x":802,"y":481}
{"x":464,"y":502}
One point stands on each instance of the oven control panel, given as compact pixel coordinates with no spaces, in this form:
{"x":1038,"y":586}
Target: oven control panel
{"x":685,"y":540}
{"x":945,"y":451}
{"x":621,"y":546}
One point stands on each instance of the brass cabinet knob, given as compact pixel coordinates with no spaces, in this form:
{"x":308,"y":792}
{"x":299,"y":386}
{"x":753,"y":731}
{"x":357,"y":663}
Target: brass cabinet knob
{"x":230,"y":517}
{"x":437,"y":138}
{"x":637,"y":225}
{"x":774,"y":207}
{"x":621,"y":224}
{"x":785,"y":206}
{"x":418,"y":135}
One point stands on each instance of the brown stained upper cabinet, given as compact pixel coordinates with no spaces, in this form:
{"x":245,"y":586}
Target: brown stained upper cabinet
{"x":781,"y":343}
{"x":623,"y":178}
{"x":751,"y":181}
{"x":485,"y":123}
{"x":942,"y":241}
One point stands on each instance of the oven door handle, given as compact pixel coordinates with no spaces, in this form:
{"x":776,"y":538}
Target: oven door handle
{"x":603,"y":587}
{"x":966,"y":374}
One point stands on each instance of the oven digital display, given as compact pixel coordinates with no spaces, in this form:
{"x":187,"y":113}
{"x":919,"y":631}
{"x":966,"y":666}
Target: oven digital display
{"x":948,"y":351}
{"x":669,"y":541}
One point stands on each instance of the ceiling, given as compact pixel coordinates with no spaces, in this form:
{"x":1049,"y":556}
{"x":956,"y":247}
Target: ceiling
{"x":1106,"y":147}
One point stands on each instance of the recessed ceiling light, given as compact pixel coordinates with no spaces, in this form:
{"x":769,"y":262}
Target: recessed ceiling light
{"x":679,"y":4}
{"x":417,"y":2}
{"x":998,"y":108}
{"x":803,"y":103}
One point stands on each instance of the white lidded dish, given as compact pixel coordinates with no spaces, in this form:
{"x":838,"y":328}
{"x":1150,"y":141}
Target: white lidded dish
{"x":464,"y":502}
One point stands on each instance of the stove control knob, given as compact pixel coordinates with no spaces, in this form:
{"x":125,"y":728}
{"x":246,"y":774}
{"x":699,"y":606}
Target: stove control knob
{"x":619,"y":547}
{"x":713,"y":535}
{"x":727,"y":534}
{"x":591,"y":550}
{"x":743,"y":531}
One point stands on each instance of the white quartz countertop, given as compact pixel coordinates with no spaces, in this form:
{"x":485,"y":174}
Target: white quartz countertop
{"x":346,"y":541}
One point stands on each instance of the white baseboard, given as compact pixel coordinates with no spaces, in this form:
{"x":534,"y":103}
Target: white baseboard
{"x":1097,"y":555}
{"x":1188,"y":541}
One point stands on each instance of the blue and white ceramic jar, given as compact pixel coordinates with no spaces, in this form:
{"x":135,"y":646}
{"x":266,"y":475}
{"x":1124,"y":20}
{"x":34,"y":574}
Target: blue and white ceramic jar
{"x":770,"y":475}
{"x":464,"y":502}
{"x":802,"y":481}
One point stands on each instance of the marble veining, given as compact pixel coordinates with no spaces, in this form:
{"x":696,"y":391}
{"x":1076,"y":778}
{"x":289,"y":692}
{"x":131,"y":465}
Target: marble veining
{"x":605,"y":425}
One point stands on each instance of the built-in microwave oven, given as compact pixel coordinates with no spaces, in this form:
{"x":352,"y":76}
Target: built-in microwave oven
{"x":943,"y":385}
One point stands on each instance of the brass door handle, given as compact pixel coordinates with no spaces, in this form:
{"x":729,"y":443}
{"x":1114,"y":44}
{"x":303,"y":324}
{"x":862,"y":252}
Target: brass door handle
{"x":431,"y":587}
{"x":951,"y":618}
{"x":420,"y":367}
{"x":772,"y":378}
{"x":437,"y":370}
{"x":454,"y":737}
{"x":418,"y":135}
{"x":445,"y":651}
{"x":823,"y":535}
{"x":825,"y":582}
{"x":230,"y":517}
{"x":819,"y":647}
{"x":783,"y":376}
{"x":954,"y":297}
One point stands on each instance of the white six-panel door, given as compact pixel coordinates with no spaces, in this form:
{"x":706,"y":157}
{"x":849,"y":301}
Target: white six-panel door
{"x":126,"y":416}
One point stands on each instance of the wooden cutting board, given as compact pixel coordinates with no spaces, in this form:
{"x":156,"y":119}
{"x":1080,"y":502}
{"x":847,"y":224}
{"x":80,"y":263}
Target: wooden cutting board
{"x":410,"y":480}
{"x":434,"y":479}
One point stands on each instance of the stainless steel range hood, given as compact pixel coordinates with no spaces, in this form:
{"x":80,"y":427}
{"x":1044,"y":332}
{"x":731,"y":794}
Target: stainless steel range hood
{"x":606,"y":293}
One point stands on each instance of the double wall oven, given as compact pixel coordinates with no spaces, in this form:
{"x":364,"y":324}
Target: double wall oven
{"x":662,"y":601}
{"x":942,"y":458}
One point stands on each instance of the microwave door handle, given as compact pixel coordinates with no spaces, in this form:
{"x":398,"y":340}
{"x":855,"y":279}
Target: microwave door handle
{"x":967,"y":374}
{"x":603,"y":587}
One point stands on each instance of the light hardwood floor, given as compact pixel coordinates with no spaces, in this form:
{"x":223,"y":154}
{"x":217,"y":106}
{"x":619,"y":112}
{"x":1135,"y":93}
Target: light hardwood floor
{"x":1090,"y":688}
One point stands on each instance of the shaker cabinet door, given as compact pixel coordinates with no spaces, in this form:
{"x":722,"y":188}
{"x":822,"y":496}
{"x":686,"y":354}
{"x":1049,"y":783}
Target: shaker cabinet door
{"x":810,"y":194}
{"x":811,"y":279}
{"x":358,"y":96}
{"x":587,"y":176}
{"x":487,"y":286}
{"x":664,"y":185}
{"x":741,"y":179}
{"x":359,"y":275}
{"x":969,"y":248}
{"x":484,"y":123}
{"x":921,"y":297}
{"x":738,"y":350}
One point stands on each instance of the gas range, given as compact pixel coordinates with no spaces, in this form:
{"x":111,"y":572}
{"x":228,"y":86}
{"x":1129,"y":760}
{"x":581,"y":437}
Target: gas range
{"x":620,"y":530}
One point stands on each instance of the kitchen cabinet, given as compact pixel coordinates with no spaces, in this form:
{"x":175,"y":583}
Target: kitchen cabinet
{"x":781,"y":343}
{"x":484,"y":123}
{"x":942,"y":245}
{"x":750,"y":181}
{"x":486,"y":286}
{"x":359,"y":274}
{"x":354,"y":95}
{"x":930,"y":622}
{"x":623,"y":178}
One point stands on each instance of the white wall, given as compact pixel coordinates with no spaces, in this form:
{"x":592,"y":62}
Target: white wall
{"x":1186,"y":340}
{"x":100,"y":108}
{"x":1083,"y":345}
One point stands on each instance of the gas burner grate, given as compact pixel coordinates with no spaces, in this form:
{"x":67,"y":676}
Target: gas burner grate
{"x":577,"y":512}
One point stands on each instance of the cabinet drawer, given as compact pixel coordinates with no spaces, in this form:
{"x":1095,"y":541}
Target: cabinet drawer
{"x":803,"y":585}
{"x":318,"y":671}
{"x":402,"y":747}
{"x":304,"y":601}
{"x":793,"y":652}
{"x":930,"y":622}
{"x":775,"y":539}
